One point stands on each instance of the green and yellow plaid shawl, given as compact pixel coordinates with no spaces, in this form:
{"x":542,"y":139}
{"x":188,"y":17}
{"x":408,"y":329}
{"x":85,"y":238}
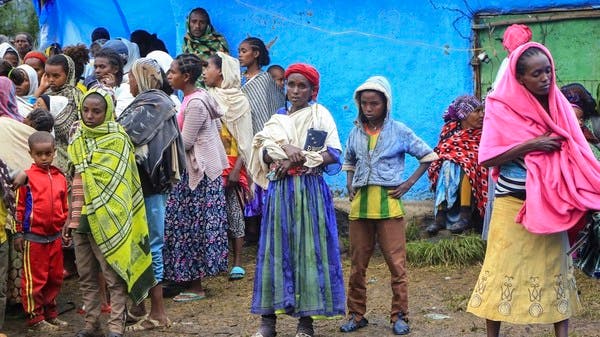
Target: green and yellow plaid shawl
{"x":113,"y":198}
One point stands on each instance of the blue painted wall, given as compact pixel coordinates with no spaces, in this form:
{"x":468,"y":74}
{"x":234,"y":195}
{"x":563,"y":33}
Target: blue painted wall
{"x":422,"y":47}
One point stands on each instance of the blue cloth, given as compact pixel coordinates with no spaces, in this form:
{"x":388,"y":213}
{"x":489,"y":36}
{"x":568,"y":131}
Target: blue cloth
{"x":298,"y":265}
{"x":155,"y":215}
{"x":384,"y":165}
{"x":448,"y":184}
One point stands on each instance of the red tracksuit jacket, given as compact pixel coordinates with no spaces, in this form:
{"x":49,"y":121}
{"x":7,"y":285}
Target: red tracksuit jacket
{"x":42,"y":207}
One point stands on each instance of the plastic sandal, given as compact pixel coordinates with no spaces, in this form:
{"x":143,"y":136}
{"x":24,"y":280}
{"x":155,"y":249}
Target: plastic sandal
{"x":352,"y":325}
{"x":237,"y":273}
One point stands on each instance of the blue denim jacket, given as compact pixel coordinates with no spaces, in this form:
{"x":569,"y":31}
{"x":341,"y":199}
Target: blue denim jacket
{"x":384,"y":165}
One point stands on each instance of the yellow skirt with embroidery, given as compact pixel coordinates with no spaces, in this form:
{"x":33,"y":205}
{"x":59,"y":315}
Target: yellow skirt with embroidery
{"x":525,"y":278}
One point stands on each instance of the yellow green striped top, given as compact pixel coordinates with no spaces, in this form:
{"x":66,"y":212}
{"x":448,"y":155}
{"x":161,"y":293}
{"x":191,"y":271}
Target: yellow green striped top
{"x":373,"y":201}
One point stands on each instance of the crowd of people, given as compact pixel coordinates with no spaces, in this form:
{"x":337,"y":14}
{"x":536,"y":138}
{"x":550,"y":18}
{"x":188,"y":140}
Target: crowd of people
{"x":102,"y":158}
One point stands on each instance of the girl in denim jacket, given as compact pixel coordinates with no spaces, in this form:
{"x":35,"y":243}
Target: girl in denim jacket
{"x":374,"y":161}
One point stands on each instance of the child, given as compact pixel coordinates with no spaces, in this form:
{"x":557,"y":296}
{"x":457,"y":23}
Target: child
{"x":374,"y":161}
{"x":276,"y":71}
{"x":222,"y":78}
{"x":108,"y":215}
{"x":41,"y":213}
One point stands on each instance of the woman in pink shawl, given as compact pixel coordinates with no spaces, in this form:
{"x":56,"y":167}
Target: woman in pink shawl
{"x":547,"y":179}
{"x":8,"y":100}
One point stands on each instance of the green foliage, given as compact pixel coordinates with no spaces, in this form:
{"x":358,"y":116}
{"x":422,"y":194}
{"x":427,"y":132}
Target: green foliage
{"x":454,"y":251}
{"x":413,"y":231}
{"x":18,"y":16}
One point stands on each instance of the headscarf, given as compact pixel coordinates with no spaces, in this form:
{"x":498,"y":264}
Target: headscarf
{"x":113,"y":198}
{"x":128,"y":51}
{"x":65,"y":119}
{"x":209,"y":43}
{"x":308,"y":71}
{"x":34,"y":54}
{"x":151,"y":125}
{"x":147,"y":74}
{"x":56,"y":104}
{"x":234,"y":104}
{"x":5,"y":47}
{"x":461,"y":107}
{"x":561,"y":186}
{"x":514,"y":36}
{"x":33,"y":79}
{"x":163,"y":59}
{"x":8,"y":100}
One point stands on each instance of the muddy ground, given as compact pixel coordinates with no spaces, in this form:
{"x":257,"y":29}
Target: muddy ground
{"x":432,"y":290}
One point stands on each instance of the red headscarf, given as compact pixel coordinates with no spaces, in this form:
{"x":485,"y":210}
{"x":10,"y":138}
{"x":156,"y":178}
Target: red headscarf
{"x":515,"y":35}
{"x":561,"y":186}
{"x":308,"y":71}
{"x":35,"y":55}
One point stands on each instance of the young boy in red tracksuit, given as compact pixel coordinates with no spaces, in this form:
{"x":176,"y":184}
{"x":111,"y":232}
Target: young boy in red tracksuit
{"x":41,"y":213}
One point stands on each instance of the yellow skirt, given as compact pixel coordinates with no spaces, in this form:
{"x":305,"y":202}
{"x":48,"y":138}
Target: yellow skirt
{"x":525,"y":278}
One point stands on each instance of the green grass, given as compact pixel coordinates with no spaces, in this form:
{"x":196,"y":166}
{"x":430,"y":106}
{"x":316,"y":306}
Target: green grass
{"x":460,"y":250}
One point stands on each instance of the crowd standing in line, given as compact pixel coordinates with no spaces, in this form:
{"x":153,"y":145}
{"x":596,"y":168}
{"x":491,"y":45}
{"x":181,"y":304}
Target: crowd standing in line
{"x":146,"y":188}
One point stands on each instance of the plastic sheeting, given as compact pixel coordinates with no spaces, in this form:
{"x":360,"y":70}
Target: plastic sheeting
{"x":72,"y":21}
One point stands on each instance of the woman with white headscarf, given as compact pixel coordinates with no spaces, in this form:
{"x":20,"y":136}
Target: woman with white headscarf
{"x":26,"y":90}
{"x":223,"y":80}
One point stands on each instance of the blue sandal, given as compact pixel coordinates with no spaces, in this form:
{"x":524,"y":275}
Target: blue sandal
{"x":237,"y":273}
{"x":353,"y":325}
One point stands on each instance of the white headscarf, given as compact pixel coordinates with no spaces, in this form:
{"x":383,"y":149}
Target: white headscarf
{"x":5,"y":46}
{"x":57,"y":105}
{"x":163,"y":59}
{"x":236,"y":108}
{"x":33,"y":79}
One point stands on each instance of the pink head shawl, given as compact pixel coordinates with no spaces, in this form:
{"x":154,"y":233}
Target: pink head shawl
{"x":8,"y":100}
{"x":514,"y":36}
{"x":561,"y":186}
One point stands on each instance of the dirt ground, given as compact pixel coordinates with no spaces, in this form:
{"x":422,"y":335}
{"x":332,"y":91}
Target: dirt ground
{"x":432,"y":291}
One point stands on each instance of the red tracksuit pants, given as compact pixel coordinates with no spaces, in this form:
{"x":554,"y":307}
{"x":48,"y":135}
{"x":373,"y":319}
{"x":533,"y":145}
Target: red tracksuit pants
{"x":42,"y":278}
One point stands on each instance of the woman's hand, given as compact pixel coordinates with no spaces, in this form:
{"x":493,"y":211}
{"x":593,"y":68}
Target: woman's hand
{"x":294,"y":154}
{"x":109,"y":80}
{"x":546,"y":143}
{"x":282,"y":167}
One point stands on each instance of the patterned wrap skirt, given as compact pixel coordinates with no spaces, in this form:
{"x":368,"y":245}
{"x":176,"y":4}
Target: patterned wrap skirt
{"x":525,"y":278}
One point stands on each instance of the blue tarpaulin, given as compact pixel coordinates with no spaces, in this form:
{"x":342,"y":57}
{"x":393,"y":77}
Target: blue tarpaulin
{"x":72,"y":21}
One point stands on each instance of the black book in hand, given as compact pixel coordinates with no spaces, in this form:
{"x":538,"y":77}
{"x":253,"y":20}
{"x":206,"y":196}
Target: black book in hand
{"x":315,"y":140}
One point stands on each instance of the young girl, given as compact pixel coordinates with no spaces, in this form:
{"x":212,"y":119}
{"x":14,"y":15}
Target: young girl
{"x":108,"y":215}
{"x":222,"y":78}
{"x":298,"y":266}
{"x":196,"y":220}
{"x":59,"y":80}
{"x":374,"y":162}
{"x":265,"y":98}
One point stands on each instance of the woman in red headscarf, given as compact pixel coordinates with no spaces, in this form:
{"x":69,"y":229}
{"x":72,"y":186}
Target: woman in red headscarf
{"x":298,"y":268}
{"x":547,"y":179}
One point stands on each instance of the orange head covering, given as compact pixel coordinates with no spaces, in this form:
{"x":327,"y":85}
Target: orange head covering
{"x":308,"y":71}
{"x":35,"y":55}
{"x":514,"y":36}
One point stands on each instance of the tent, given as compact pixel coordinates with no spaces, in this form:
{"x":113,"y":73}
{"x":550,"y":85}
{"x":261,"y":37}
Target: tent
{"x":71,"y":21}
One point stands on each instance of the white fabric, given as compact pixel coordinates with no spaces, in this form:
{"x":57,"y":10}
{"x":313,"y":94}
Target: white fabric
{"x":236,"y":108}
{"x":32,"y":76}
{"x":57,"y":105}
{"x":291,"y":129}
